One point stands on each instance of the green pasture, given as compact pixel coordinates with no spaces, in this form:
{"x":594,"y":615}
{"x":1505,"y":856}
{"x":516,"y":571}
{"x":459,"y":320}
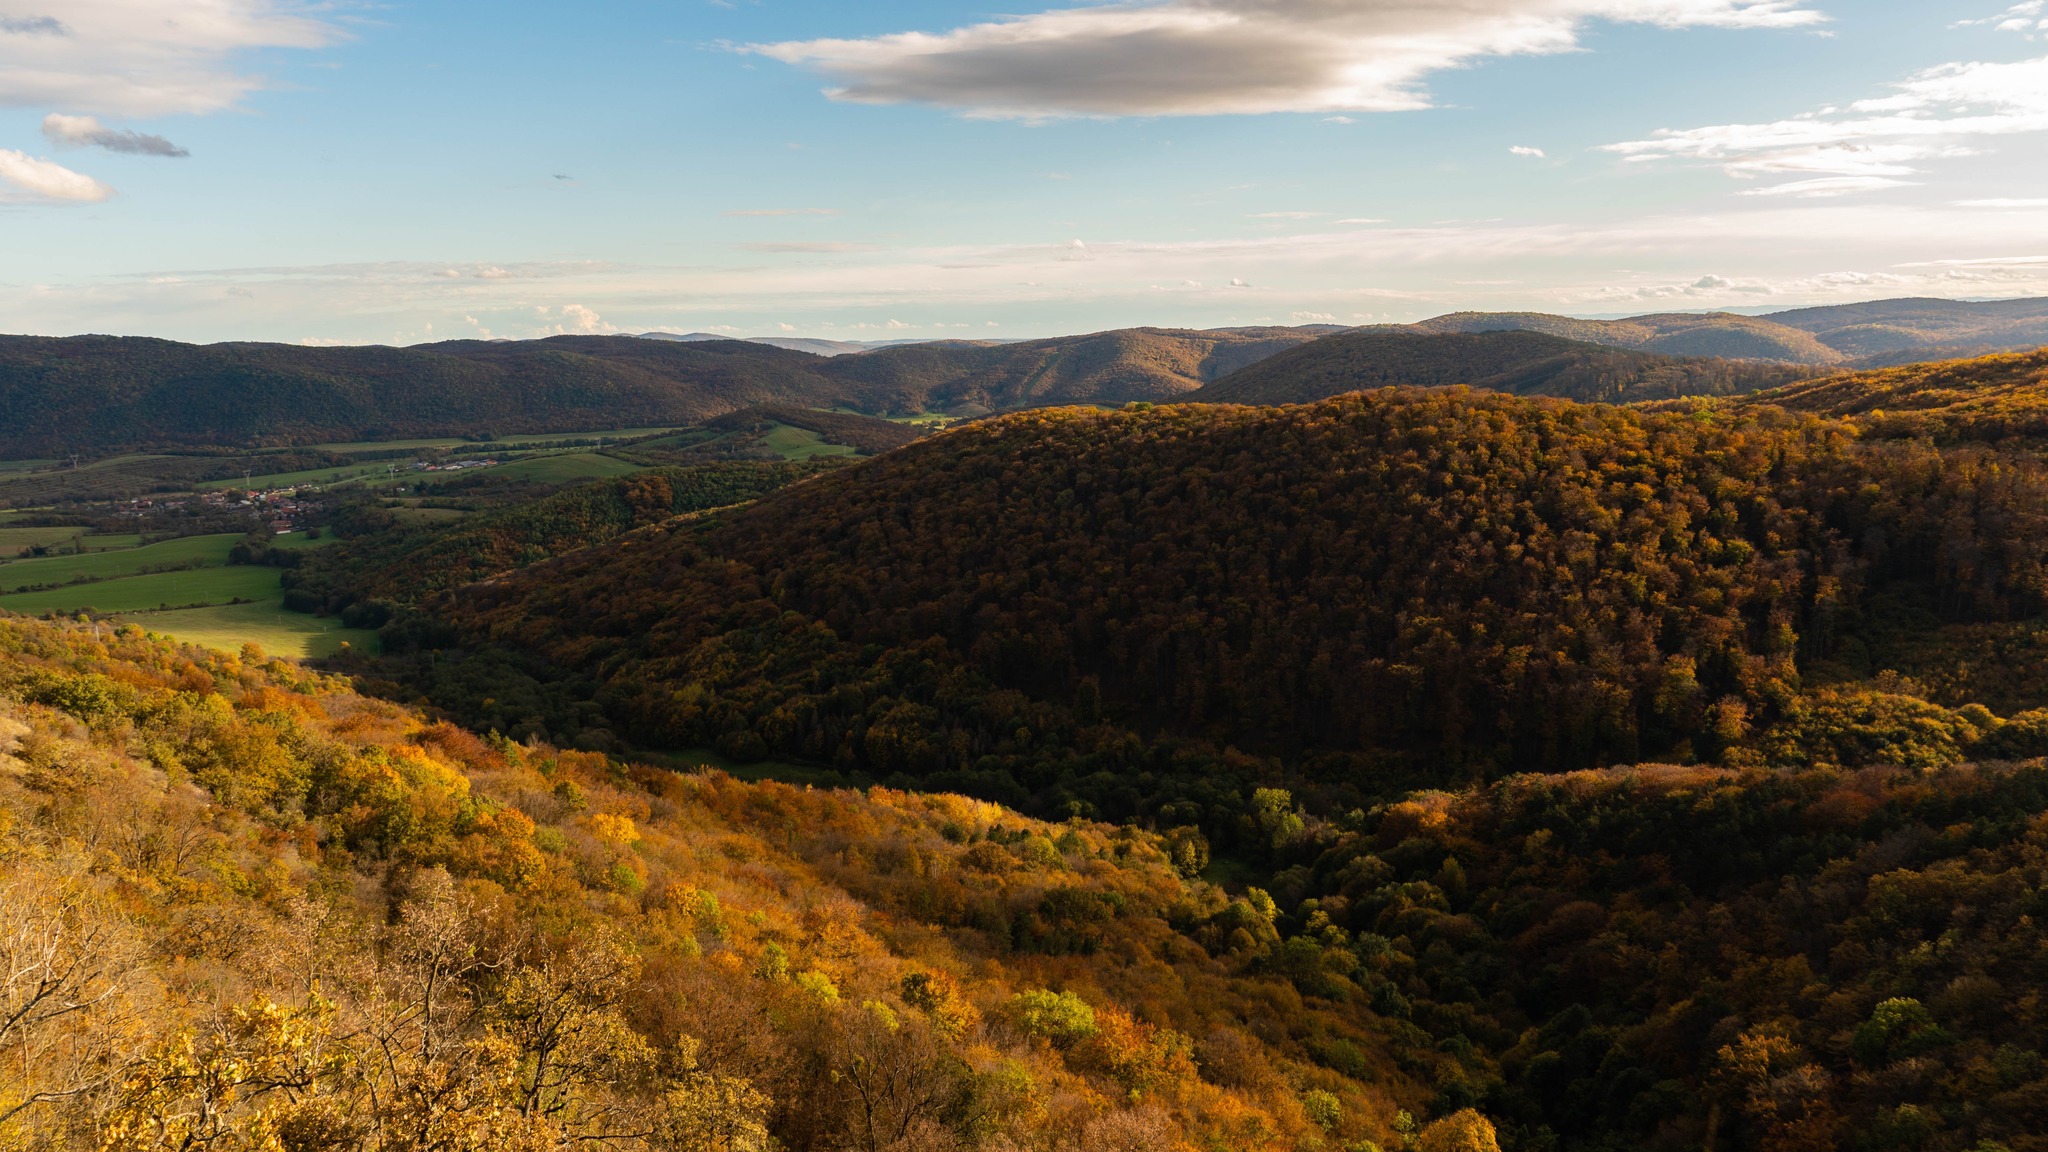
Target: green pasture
{"x":563,"y":468}
{"x":309,"y":477}
{"x":511,"y":441}
{"x":14,"y":541}
{"x":266,"y":624}
{"x":208,"y":550}
{"x":157,"y":590}
{"x":802,"y":444}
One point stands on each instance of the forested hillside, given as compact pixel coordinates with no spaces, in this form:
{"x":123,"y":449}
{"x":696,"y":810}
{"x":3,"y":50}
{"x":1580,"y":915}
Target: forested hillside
{"x":98,"y":392}
{"x":1521,"y":362}
{"x":382,"y":563}
{"x":1142,"y":364}
{"x":1715,"y":334}
{"x":1398,"y":585}
{"x":102,"y":393}
{"x":1992,"y":398}
{"x":1893,"y":326}
{"x":242,"y":907}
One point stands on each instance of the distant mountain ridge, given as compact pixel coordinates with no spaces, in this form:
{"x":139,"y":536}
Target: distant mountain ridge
{"x":1828,"y":335}
{"x":106,"y":394}
{"x":1526,"y":363}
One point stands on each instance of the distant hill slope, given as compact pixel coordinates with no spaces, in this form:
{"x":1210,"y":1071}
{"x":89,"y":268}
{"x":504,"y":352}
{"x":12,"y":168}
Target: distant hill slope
{"x":1719,"y":334}
{"x":1439,"y":580}
{"x":1983,"y":398}
{"x":400,"y":564}
{"x":1523,"y":362}
{"x":100,"y":392}
{"x":103,"y":393}
{"x":1100,"y":368}
{"x":793,"y":343}
{"x":1891,"y":326}
{"x":865,"y":434}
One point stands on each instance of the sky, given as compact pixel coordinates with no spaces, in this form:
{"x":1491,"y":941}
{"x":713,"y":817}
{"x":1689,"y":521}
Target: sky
{"x":395,"y":172}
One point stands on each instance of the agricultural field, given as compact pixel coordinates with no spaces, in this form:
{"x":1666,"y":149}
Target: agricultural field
{"x":17,"y":541}
{"x":190,"y":552}
{"x":156,"y":590}
{"x":802,"y":444}
{"x":565,"y":467}
{"x":265,"y":624}
{"x":442,"y":442}
{"x":317,"y":477}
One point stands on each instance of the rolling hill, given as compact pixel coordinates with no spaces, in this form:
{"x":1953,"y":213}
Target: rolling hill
{"x":1526,"y":363}
{"x":95,"y":392}
{"x":1892,"y":327}
{"x":1990,"y":398}
{"x":1718,"y":334}
{"x":98,"y":394}
{"x":1429,"y":582}
{"x":1152,"y":364}
{"x":1570,"y":744}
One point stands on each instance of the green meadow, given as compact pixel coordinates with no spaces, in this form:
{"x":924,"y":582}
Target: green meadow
{"x":265,"y":624}
{"x":209,"y":551}
{"x":157,"y":590}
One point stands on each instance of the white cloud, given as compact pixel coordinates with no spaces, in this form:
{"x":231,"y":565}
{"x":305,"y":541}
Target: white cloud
{"x":49,"y":181}
{"x":2026,"y":19}
{"x":577,"y":320}
{"x":88,"y":132}
{"x":144,"y":57}
{"x":1829,"y":186}
{"x":1216,"y":57}
{"x":1525,"y":150}
{"x":1314,"y":318}
{"x":2002,"y":203}
{"x":1872,"y":143}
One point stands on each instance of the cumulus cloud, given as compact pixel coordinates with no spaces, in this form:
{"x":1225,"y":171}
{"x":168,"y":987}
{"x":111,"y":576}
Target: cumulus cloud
{"x":574,"y":320}
{"x":1871,"y":144}
{"x":37,"y":179}
{"x":129,"y":58}
{"x":1525,"y":150}
{"x":1219,"y":57}
{"x":88,"y":132}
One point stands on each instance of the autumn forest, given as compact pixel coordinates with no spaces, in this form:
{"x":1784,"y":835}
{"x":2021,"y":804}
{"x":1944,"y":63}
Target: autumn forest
{"x":1380,"y":766}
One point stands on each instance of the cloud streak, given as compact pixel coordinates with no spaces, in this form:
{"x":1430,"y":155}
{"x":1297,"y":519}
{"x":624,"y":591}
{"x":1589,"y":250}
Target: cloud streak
{"x":1229,"y":57}
{"x":129,"y":58}
{"x":88,"y":132}
{"x":1872,"y":144}
{"x":44,"y":180}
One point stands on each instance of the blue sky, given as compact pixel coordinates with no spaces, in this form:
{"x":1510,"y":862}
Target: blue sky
{"x":401,"y":172}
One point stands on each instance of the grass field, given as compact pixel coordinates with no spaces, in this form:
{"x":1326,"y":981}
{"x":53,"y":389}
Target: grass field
{"x":208,"y":550}
{"x":459,"y":442}
{"x":315,"y":476}
{"x":159,"y":590}
{"x":801,"y":444}
{"x":14,"y":540}
{"x":24,"y":465}
{"x":266,"y":625}
{"x":565,"y":467}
